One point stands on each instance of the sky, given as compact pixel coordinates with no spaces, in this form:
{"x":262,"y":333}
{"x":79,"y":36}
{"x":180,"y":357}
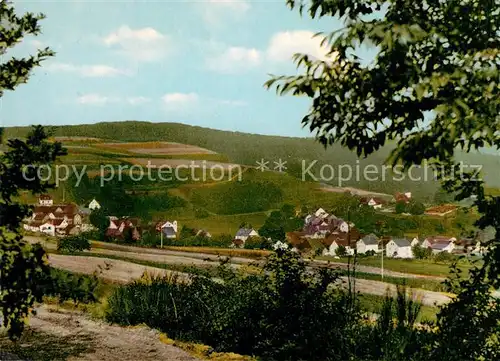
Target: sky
{"x":194,"y":62}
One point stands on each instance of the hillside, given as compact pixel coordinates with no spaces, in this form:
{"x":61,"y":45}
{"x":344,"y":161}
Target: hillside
{"x":246,"y":149}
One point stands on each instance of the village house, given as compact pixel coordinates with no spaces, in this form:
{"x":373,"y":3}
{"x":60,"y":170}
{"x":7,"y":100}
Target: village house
{"x":298,"y":242}
{"x":399,"y":248}
{"x":167,"y":224}
{"x":415,"y":242}
{"x":93,"y":205}
{"x":244,"y":233}
{"x":169,"y":233}
{"x":167,"y":228}
{"x":367,"y":243}
{"x":45,"y":200}
{"x":203,"y":233}
{"x":119,"y":228}
{"x":402,"y":197}
{"x":335,"y":240}
{"x":375,"y":203}
{"x":440,"y":243}
{"x":48,"y":228}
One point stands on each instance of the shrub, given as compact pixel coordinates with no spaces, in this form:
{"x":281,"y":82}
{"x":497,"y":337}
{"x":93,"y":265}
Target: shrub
{"x":73,"y":244}
{"x":282,"y":313}
{"x":444,"y":257}
{"x":341,"y":251}
{"x":370,"y":253}
{"x":421,"y":252}
{"x":67,"y":286}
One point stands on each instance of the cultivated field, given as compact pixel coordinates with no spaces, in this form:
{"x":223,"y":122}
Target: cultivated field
{"x":164,"y":148}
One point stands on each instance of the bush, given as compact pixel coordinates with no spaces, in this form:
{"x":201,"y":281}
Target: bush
{"x":282,"y":313}
{"x":444,"y":257}
{"x":370,"y":253}
{"x":341,"y":251}
{"x":73,"y":244}
{"x":67,"y":286}
{"x":421,"y":252}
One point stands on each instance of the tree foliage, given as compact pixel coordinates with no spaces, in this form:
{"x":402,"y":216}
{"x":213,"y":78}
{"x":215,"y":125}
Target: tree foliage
{"x":434,"y":88}
{"x":21,"y":265}
{"x":280,"y":222}
{"x":73,"y":244}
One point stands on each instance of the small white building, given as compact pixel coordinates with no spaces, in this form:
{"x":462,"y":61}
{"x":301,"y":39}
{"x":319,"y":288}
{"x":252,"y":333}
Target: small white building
{"x":169,"y":224}
{"x":48,"y":228}
{"x":45,"y":200}
{"x":367,"y":243}
{"x":244,"y":233}
{"x":332,"y":249}
{"x":415,"y":242}
{"x":94,"y":205}
{"x":399,"y":248}
{"x":321,"y":213}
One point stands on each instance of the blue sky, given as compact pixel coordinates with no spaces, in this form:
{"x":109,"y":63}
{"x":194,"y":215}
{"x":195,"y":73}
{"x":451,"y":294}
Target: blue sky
{"x":195,"y":62}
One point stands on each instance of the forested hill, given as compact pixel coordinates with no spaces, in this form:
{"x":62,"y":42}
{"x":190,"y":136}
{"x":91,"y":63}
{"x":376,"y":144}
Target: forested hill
{"x":248,"y":148}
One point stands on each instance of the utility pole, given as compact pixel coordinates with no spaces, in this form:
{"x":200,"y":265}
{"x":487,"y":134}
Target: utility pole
{"x":161,"y":238}
{"x":383,"y":249}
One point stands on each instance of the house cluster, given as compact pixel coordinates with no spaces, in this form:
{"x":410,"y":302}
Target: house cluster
{"x":331,"y":233}
{"x":379,"y":203}
{"x":123,"y":227}
{"x":59,"y":219}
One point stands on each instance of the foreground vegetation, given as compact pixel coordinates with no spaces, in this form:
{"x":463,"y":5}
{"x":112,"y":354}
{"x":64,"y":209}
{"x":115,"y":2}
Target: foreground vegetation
{"x":282,"y":313}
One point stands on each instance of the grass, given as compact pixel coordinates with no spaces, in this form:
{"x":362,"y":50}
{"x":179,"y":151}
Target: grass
{"x":413,"y":266}
{"x":225,"y":252}
{"x":415,"y":283}
{"x":373,"y":304}
{"x":225,"y":224}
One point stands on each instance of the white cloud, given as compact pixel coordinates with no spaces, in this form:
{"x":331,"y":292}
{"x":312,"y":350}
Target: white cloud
{"x":284,"y":45}
{"x":180,"y":102}
{"x":235,"y":59}
{"x":216,"y":12}
{"x":98,"y":70}
{"x":96,"y":99}
{"x":138,"y":100}
{"x":146,"y":44}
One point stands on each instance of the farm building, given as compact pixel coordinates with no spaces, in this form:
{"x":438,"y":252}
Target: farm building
{"x":367,"y":243}
{"x":399,"y":248}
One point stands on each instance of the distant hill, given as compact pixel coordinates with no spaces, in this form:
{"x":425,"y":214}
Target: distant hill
{"x":247,"y":149}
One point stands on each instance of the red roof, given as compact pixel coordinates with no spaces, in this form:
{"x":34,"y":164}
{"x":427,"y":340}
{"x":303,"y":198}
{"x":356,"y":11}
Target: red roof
{"x":45,"y":197}
{"x":401,"y":197}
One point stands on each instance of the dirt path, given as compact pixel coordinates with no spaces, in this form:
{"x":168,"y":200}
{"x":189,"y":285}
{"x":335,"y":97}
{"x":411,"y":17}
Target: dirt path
{"x":108,"y":269}
{"x":71,"y":336}
{"x":123,"y":272}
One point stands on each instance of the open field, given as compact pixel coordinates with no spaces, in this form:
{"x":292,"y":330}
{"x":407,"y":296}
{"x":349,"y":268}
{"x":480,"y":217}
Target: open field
{"x":418,"y":267}
{"x":175,"y":163}
{"x":164,"y":148}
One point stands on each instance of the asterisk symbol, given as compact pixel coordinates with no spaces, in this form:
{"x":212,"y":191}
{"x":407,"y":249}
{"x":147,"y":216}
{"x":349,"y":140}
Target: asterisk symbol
{"x":280,"y":165}
{"x":262,"y":165}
